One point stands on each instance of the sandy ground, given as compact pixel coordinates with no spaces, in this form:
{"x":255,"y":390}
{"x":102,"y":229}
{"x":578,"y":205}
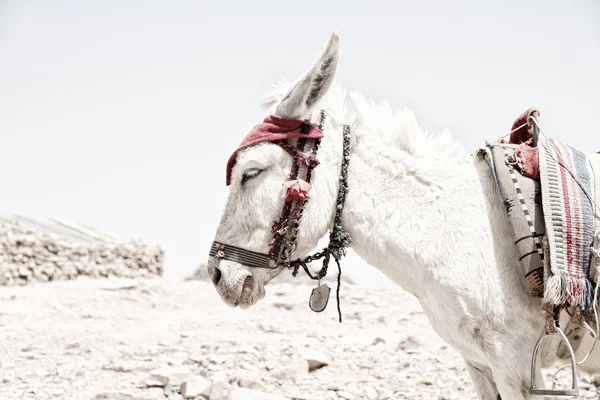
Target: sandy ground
{"x":99,"y":339}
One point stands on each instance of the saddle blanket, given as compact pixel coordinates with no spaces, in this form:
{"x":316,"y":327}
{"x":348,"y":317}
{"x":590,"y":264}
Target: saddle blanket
{"x":551,"y":191}
{"x":570,"y":182}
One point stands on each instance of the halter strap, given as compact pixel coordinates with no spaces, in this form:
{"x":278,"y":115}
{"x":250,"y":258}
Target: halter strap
{"x":285,"y":230}
{"x":240,"y":255}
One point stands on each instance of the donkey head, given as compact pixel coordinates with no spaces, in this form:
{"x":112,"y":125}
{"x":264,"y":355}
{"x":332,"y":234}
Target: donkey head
{"x":259,"y":179}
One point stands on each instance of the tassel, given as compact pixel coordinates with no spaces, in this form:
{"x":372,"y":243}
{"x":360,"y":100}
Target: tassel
{"x":556,"y":292}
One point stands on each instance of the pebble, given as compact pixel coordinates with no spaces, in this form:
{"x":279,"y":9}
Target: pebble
{"x":172,"y":376}
{"x":371,"y":393}
{"x":345,"y":395}
{"x":119,"y":284}
{"x":115,"y":396}
{"x":248,"y":394}
{"x":219,"y":390}
{"x":294,"y":368}
{"x":409,"y":342}
{"x":194,"y":387}
{"x":250,"y":384}
{"x":315,"y":358}
{"x":285,"y":306}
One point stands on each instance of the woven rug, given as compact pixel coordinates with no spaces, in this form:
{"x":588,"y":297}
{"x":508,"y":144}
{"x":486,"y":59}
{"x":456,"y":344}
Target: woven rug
{"x":521,"y":196}
{"x":570,"y":185}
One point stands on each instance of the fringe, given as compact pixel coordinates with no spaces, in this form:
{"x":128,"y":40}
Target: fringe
{"x":555,"y":293}
{"x":562,"y":288}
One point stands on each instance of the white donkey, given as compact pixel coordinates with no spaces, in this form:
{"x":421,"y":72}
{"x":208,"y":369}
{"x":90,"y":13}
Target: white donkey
{"x":418,"y":208}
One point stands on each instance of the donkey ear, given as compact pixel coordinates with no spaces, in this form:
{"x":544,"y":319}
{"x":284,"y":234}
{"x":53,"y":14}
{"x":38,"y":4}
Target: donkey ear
{"x":313,"y":86}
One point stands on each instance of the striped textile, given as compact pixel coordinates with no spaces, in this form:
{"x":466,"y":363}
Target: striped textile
{"x":570,"y":183}
{"x":521,"y":197}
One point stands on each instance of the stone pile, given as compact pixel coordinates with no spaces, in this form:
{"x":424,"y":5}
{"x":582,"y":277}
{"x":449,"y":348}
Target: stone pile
{"x":30,"y":255}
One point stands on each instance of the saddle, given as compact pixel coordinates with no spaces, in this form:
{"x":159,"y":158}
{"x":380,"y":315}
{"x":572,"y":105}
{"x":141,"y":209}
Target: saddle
{"x":551,"y":192}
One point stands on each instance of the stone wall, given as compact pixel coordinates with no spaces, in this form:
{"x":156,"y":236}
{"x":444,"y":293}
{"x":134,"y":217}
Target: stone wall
{"x":30,"y":255}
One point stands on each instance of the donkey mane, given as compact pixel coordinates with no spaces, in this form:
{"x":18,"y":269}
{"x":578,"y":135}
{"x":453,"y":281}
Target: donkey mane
{"x":397,"y":128}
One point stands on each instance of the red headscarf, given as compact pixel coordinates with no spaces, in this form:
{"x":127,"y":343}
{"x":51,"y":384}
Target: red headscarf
{"x":273,"y":129}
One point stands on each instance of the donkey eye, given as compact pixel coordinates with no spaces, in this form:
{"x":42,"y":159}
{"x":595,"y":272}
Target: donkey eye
{"x":251,"y":173}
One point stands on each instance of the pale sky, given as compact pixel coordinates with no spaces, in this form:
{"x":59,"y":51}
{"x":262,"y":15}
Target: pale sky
{"x":122,"y":115}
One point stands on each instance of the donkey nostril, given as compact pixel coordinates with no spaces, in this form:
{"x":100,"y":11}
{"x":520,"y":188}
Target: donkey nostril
{"x":216,"y":276}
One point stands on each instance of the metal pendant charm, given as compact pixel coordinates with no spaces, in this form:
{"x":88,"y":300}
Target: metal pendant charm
{"x":319,"y":298}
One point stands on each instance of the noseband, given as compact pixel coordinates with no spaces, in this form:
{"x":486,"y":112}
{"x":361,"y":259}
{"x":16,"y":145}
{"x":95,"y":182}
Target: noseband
{"x":285,"y":230}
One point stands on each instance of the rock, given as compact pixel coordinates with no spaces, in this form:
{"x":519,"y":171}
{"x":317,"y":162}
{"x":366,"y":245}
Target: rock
{"x":271,"y":364}
{"x":248,"y":394}
{"x":298,"y":396}
{"x":194,"y":387}
{"x":172,"y":376}
{"x":56,"y":392}
{"x":371,"y":393}
{"x":215,"y":359}
{"x":377,"y":340}
{"x":119,"y":284}
{"x":220,"y":390}
{"x":170,"y":390}
{"x":268,"y":328}
{"x":294,"y":368}
{"x":115,"y":396}
{"x":409,"y":343}
{"x":345,"y":395}
{"x":153,"y":382}
{"x":250,"y":384}
{"x":282,"y":305}
{"x":315,"y":358}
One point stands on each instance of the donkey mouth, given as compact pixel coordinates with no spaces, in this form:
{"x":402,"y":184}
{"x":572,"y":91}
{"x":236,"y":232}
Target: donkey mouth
{"x":246,"y":298}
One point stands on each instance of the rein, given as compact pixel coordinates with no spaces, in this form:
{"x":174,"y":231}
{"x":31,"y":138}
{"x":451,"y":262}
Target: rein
{"x":285,"y":230}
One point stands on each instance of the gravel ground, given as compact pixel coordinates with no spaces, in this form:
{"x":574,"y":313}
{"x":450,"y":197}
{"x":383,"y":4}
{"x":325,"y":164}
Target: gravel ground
{"x":100,"y":339}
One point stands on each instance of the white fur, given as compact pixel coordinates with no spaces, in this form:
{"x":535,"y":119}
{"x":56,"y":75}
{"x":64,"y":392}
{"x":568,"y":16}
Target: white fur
{"x":420,"y":209}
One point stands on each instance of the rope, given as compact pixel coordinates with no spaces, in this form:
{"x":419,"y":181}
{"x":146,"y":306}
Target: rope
{"x":511,"y":132}
{"x":337,"y":291}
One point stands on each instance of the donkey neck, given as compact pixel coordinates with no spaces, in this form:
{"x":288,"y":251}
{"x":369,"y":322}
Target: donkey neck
{"x":404,"y":212}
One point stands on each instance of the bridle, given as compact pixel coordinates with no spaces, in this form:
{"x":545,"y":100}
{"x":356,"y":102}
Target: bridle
{"x":285,"y":230}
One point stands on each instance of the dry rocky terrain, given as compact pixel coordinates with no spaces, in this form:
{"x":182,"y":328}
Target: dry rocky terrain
{"x":118,"y":339}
